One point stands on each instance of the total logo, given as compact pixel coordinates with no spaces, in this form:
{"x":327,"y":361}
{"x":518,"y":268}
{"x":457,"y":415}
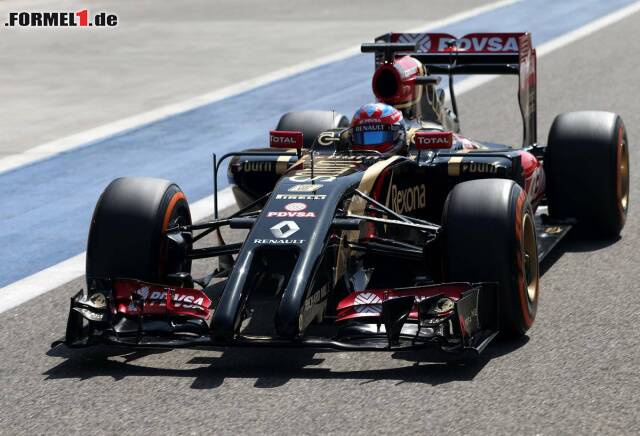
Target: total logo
{"x":281,"y":232}
{"x":283,"y":140}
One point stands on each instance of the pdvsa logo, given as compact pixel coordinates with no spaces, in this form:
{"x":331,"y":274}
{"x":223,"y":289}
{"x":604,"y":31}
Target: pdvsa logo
{"x":482,"y":43}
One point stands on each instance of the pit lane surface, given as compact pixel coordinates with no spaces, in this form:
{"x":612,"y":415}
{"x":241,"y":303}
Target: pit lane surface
{"x":575,"y":374}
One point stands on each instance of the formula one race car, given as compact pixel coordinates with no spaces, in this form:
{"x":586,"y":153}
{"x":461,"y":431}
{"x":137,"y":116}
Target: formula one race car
{"x":388,"y":232}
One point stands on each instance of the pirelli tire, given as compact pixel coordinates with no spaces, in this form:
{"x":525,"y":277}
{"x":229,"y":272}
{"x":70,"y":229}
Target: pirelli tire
{"x":489,"y":236}
{"x":127,"y":234}
{"x":587,"y":170}
{"x":311,"y":123}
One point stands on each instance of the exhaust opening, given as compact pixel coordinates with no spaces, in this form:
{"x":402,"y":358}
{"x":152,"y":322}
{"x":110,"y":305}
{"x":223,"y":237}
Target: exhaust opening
{"x":385,"y":83}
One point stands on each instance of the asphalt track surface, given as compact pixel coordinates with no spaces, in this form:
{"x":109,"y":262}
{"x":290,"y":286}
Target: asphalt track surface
{"x":575,"y":373}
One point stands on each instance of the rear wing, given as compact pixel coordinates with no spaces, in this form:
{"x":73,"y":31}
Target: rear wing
{"x":478,"y":53}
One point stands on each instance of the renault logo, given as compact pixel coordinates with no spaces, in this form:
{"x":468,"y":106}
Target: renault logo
{"x":284,"y":229}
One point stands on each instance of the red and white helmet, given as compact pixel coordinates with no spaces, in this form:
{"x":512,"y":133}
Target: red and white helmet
{"x":379,"y":127}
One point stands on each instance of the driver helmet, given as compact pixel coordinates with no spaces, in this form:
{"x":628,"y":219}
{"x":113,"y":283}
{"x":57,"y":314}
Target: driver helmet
{"x":379,"y":127}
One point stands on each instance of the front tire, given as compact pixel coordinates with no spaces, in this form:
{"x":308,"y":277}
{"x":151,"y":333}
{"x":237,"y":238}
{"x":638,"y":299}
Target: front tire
{"x":489,"y":236}
{"x":587,"y":169}
{"x":127,"y":233}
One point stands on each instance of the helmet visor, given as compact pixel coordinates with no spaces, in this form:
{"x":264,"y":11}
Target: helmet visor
{"x":373,"y":134}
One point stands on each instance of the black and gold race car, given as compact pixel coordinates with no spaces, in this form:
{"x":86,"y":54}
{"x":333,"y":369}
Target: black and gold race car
{"x":437,"y":244}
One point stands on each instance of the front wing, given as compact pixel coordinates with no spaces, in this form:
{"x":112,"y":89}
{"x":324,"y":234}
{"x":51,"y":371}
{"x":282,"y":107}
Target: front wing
{"x":453,"y":317}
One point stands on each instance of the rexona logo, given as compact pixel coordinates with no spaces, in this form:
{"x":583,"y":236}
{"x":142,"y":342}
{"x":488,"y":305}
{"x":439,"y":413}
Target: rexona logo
{"x":407,"y":199}
{"x":483,"y":43}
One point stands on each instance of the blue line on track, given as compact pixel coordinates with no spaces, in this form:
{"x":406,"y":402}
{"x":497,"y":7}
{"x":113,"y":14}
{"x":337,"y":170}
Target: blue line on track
{"x":46,"y":206}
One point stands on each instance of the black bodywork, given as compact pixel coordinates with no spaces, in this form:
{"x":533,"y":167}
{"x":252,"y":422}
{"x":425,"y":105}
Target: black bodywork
{"x":369,"y":222}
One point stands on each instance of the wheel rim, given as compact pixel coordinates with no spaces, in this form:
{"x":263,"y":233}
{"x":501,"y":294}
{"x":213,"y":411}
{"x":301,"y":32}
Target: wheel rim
{"x":623,"y":169}
{"x":530,"y":258}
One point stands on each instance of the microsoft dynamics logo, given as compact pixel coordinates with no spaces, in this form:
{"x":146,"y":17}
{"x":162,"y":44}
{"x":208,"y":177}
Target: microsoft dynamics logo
{"x":61,"y":19}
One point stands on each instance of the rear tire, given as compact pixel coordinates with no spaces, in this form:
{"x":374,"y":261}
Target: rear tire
{"x":311,"y":123}
{"x":489,"y":236}
{"x":127,"y":239}
{"x":587,"y":169}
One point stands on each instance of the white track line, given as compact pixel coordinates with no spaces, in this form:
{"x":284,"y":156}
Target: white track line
{"x":57,"y":275}
{"x":51,"y":278}
{"x":91,"y":136}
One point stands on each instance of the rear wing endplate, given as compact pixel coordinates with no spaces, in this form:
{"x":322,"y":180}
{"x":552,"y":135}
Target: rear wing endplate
{"x":479,"y":53}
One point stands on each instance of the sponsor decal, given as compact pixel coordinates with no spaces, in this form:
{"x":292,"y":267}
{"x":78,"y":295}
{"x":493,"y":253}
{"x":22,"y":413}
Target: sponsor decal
{"x":300,"y":196}
{"x":326,"y":139}
{"x":471,"y":322}
{"x":553,"y":230}
{"x":315,"y":298}
{"x":284,"y":229}
{"x":307,"y":179}
{"x":305,"y":188}
{"x":329,"y":168}
{"x":281,"y":231}
{"x":367,"y":298}
{"x":287,"y":214}
{"x":159,"y":298}
{"x":367,"y":302}
{"x":278,"y":241}
{"x":295,"y":207}
{"x":370,"y":127}
{"x":179,"y":300}
{"x":142,"y":292}
{"x":263,"y":167}
{"x":285,"y":139}
{"x":429,"y":140}
{"x":423,"y":40}
{"x":404,"y":200}
{"x":482,"y":43}
{"x":479,"y":167}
